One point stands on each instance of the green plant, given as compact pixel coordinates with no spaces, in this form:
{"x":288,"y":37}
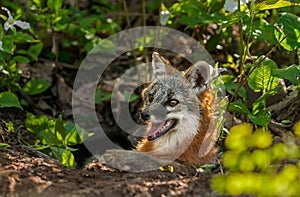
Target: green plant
{"x":11,"y":54}
{"x":262,"y":74}
{"x":4,"y":145}
{"x":257,"y":23}
{"x":251,"y":158}
{"x":55,"y":138}
{"x":70,"y":27}
{"x":256,"y":167}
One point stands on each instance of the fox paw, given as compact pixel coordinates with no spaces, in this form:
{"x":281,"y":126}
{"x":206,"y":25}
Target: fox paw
{"x":131,"y":161}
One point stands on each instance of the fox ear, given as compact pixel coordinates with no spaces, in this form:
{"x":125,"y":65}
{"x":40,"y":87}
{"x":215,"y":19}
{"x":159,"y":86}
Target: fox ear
{"x":161,"y":67}
{"x":199,"y":75}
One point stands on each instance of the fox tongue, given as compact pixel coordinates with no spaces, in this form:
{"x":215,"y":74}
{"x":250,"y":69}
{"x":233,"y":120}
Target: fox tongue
{"x":155,"y":129}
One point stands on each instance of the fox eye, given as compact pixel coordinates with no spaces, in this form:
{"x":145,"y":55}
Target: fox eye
{"x":173,"y":102}
{"x":150,"y":98}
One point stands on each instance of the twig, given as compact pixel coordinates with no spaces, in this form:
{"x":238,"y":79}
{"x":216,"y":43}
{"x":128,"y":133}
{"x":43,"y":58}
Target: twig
{"x":126,"y":12}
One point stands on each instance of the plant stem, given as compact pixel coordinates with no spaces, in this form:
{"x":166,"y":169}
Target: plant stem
{"x":126,"y":12}
{"x":242,"y":83}
{"x":241,"y":42}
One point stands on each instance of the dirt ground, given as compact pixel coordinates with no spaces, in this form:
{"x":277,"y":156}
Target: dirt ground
{"x":22,"y":173}
{"x":27,"y":172}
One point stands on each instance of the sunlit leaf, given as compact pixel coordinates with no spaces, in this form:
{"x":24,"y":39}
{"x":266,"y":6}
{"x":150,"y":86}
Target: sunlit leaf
{"x":55,"y":5}
{"x":261,"y":118}
{"x":297,"y":129}
{"x":64,"y":156}
{"x":75,"y":134}
{"x":60,"y":130}
{"x":233,"y":19}
{"x":36,"y":86}
{"x":38,"y":3}
{"x":68,"y":159}
{"x":288,"y":31}
{"x":271,"y":4}
{"x":4,"y":145}
{"x":260,"y":103}
{"x":261,"y":79}
{"x":43,"y":127}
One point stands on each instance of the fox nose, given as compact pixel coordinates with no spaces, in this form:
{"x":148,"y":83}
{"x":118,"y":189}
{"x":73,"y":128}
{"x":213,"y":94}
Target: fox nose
{"x":145,"y":115}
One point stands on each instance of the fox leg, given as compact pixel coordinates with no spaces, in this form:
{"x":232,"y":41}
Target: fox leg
{"x":131,"y":161}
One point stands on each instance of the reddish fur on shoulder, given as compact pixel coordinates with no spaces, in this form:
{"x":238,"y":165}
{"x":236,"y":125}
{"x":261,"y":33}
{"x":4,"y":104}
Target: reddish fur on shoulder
{"x":191,"y":155}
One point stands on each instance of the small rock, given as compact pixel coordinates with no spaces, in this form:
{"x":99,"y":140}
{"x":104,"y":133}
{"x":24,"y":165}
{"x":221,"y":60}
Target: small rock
{"x":61,"y":175}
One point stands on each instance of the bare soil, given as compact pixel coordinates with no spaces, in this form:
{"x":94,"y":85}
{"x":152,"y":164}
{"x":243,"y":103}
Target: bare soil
{"x":24,"y":174}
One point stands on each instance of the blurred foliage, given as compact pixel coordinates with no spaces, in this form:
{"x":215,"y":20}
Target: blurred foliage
{"x":255,"y":166}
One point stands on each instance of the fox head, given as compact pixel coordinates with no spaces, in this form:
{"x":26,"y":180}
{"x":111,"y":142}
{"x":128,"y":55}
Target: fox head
{"x":172,"y":104}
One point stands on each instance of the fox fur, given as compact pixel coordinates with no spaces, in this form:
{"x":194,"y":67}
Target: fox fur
{"x":178,"y":110}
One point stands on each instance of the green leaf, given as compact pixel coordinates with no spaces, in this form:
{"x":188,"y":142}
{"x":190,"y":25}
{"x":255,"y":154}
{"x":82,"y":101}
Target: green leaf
{"x":8,"y":44}
{"x":75,"y":134}
{"x":290,"y":73}
{"x":233,"y":19}
{"x":238,"y":107}
{"x":205,"y":19}
{"x":260,"y":103}
{"x":72,"y":137}
{"x":261,"y":79}
{"x":271,"y":4}
{"x":8,"y":99}
{"x":55,"y":5}
{"x":288,"y":28}
{"x":232,"y":86}
{"x":23,"y":37}
{"x":67,"y":159}
{"x":263,"y":31}
{"x":34,"y":51}
{"x":35,"y":124}
{"x":21,"y":59}
{"x":262,"y":118}
{"x":64,"y":156}
{"x":38,"y":3}
{"x":4,"y":145}
{"x":130,"y":97}
{"x":60,"y":130}
{"x":101,"y":96}
{"x":1,"y":31}
{"x":36,"y":86}
{"x":44,"y":129}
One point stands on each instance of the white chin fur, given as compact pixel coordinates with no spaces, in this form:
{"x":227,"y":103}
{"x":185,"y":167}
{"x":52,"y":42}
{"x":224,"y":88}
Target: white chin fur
{"x":176,"y":141}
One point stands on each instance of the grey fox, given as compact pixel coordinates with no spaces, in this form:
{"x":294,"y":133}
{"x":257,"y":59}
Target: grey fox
{"x":178,"y":110}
